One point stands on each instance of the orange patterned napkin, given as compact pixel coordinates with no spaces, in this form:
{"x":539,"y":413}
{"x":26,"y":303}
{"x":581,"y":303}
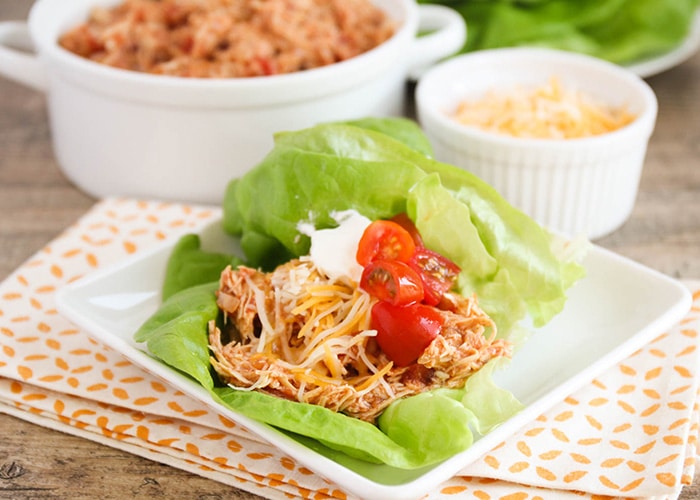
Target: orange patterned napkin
{"x":631,"y":432}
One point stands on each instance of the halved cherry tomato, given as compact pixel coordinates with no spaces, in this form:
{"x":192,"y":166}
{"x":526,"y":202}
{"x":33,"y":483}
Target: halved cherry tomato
{"x":405,"y":222}
{"x":392,"y":281}
{"x":384,"y":240}
{"x":437,"y":272}
{"x":403,"y":332}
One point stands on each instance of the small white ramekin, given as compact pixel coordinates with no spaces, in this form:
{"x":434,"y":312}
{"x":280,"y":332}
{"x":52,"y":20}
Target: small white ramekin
{"x":585,"y":186}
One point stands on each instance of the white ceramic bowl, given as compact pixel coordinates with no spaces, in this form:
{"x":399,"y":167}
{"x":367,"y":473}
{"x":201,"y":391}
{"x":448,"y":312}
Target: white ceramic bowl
{"x":118,"y":132}
{"x":586,"y":186}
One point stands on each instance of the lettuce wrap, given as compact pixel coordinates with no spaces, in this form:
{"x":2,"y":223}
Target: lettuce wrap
{"x":378,"y":167}
{"x":506,"y":257}
{"x":620,"y":31}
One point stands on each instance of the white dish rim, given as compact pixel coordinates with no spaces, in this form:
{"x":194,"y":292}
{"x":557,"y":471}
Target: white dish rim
{"x":663,"y":62}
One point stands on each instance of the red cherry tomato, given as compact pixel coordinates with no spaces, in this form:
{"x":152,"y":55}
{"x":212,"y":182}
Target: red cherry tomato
{"x":403,"y":332}
{"x":384,"y":240}
{"x":392,"y":281}
{"x":437,"y":272}
{"x":405,"y":222}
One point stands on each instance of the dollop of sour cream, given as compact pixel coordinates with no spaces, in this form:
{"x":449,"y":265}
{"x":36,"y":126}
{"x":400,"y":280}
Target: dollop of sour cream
{"x":333,"y":250}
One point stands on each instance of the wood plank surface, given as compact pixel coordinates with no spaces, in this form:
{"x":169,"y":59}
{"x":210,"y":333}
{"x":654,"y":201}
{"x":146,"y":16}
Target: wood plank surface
{"x":37,"y":203}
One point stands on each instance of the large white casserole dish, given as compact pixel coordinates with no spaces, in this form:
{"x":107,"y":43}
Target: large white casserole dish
{"x":118,"y":132}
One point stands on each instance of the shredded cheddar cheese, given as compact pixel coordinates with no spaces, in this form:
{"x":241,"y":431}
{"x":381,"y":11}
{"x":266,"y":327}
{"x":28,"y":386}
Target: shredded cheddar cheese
{"x":546,"y":112}
{"x":374,"y":379}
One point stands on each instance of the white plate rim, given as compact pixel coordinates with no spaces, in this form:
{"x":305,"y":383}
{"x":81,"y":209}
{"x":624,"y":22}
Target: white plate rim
{"x":663,"y":62}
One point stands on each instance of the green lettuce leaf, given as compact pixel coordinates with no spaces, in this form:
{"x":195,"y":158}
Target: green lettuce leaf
{"x":403,"y":130}
{"x":189,"y":265}
{"x":491,"y":405}
{"x":311,"y":173}
{"x":177,"y":332}
{"x":621,"y":31}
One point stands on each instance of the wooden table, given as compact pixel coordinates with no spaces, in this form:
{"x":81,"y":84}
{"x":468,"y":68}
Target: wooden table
{"x":37,"y":203}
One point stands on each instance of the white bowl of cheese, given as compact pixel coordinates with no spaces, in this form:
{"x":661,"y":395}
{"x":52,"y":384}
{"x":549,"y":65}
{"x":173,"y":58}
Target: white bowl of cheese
{"x":562,"y":136}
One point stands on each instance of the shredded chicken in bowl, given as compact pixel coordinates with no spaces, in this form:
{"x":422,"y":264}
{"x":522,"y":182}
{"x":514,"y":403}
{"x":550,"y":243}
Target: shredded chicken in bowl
{"x":228,"y":38}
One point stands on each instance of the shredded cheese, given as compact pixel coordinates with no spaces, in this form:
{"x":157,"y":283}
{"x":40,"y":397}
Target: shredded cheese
{"x":371,"y":381}
{"x":333,"y":318}
{"x":316,"y":378}
{"x":546,"y":112}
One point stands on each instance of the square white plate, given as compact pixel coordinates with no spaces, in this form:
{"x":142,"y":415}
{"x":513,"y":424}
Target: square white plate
{"x":619,"y":307}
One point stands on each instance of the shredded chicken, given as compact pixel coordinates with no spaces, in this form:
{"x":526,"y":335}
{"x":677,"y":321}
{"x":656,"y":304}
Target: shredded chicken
{"x":306,"y":338}
{"x":228,"y":38}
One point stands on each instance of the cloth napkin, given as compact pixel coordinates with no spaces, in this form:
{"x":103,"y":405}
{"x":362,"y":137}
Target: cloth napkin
{"x":631,"y":432}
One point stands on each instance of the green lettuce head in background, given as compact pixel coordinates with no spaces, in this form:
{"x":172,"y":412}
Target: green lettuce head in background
{"x":379,"y":167}
{"x":620,"y":31}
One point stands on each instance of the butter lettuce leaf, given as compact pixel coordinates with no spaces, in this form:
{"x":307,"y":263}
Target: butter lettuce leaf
{"x":189,"y":266}
{"x":177,"y":332}
{"x":308,"y":175}
{"x":620,"y":31}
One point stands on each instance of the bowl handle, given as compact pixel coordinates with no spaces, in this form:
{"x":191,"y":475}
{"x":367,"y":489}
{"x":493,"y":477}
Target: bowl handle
{"x":445,"y":34}
{"x":17,"y":60}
